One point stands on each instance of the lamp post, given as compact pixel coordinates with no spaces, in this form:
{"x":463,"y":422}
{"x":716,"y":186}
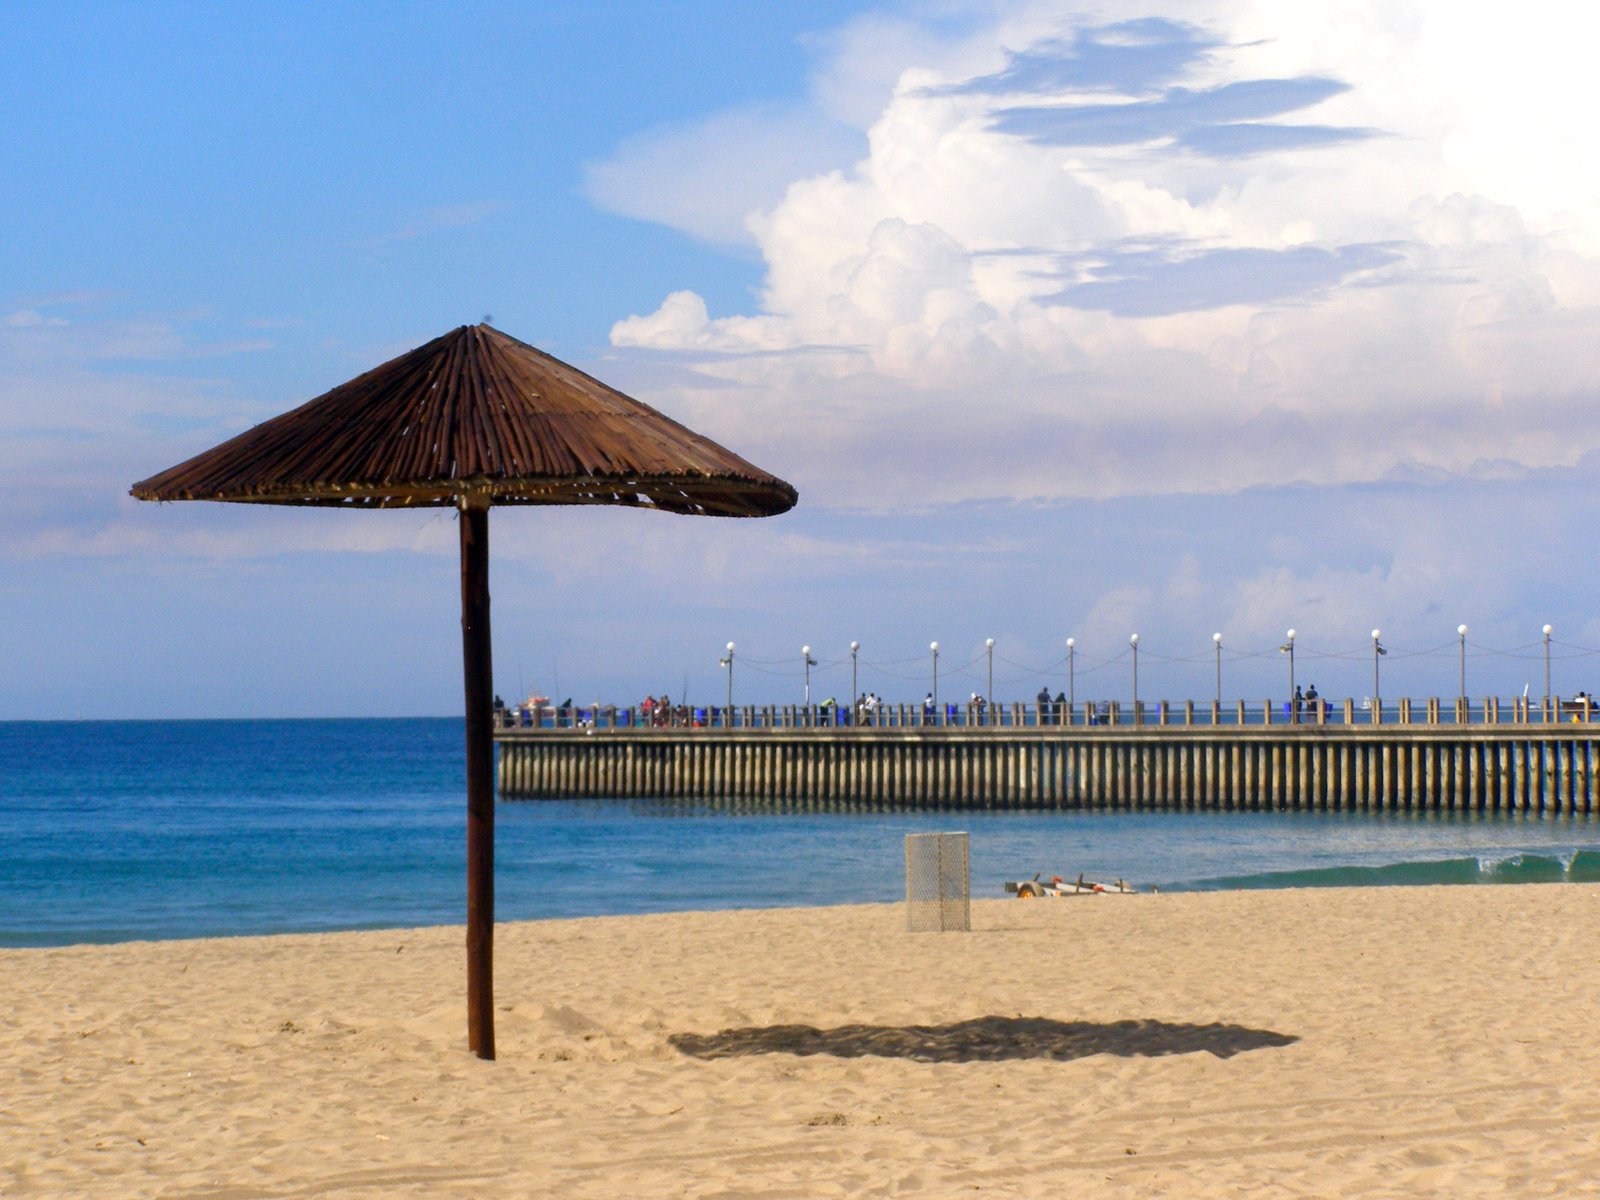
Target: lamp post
{"x":1133,"y":640}
{"x":1288,"y":648}
{"x":934,"y":646}
{"x":1377,"y":650}
{"x":1547,"y":632}
{"x":989,"y":695}
{"x":1216,"y":641}
{"x":805,"y":653}
{"x":854,"y":646}
{"x":1072,"y":675}
{"x":1461,"y":632}
{"x":728,"y":662}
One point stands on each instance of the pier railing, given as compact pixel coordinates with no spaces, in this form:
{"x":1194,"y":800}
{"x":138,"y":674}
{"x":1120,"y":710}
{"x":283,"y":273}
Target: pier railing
{"x":1432,"y":711}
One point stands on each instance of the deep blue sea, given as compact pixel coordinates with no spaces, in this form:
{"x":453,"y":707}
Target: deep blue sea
{"x":112,"y":831}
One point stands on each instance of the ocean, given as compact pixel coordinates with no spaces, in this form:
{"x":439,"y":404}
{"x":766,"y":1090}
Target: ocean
{"x":116,"y":831}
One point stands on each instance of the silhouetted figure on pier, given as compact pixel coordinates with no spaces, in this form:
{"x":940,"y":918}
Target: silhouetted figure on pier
{"x":1044,"y":705}
{"x":1298,"y":703}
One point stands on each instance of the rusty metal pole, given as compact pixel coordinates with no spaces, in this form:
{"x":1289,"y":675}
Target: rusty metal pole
{"x":478,"y":675}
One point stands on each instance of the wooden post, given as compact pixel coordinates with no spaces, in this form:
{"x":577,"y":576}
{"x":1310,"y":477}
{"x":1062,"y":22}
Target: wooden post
{"x":478,"y":677}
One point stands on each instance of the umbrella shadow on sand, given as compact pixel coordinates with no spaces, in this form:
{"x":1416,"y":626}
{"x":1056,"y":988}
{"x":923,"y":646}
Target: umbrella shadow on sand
{"x":985,"y":1039}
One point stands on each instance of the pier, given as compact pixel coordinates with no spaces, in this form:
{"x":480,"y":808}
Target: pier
{"x":1430,"y":756}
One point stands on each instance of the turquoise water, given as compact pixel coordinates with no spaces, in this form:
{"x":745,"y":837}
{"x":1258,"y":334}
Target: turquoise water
{"x":112,"y":831}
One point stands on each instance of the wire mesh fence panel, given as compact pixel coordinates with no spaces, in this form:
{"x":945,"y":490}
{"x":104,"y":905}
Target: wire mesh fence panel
{"x":938,"y":882}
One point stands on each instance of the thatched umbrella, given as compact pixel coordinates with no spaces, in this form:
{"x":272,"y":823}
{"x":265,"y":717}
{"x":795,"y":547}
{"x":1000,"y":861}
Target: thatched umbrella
{"x":471,"y":419}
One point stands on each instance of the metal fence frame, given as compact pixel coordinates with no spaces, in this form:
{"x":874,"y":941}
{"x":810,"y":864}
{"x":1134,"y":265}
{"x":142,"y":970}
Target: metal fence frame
{"x":938,"y":883}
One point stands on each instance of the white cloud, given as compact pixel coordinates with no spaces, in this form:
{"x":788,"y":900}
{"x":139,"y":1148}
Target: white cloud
{"x":1224,"y":244}
{"x":753,"y":153}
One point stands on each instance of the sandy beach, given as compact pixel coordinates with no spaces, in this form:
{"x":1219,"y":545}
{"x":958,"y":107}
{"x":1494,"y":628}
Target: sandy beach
{"x":1418,"y":1041}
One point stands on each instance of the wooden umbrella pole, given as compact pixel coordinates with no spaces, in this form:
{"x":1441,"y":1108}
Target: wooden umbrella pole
{"x":478,"y":674}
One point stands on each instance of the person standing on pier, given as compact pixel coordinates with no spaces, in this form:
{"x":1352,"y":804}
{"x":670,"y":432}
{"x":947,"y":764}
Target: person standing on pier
{"x":1298,"y":703}
{"x":1044,"y":705}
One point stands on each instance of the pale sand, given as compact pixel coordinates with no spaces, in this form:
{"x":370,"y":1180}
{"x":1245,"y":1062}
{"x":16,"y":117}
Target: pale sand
{"x":1399,"y":1042}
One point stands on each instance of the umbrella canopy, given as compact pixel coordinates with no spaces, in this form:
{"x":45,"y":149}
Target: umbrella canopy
{"x":472,"y":419}
{"x":475,"y":414}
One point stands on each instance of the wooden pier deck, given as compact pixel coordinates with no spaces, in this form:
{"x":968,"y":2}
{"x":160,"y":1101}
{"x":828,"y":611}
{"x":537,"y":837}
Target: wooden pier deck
{"x":1538,"y":760}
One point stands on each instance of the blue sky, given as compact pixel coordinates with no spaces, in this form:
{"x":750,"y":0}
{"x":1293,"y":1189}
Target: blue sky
{"x":240,"y":167}
{"x":1065,"y":319}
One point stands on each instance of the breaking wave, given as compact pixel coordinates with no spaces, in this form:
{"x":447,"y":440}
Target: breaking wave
{"x":1579,"y":866}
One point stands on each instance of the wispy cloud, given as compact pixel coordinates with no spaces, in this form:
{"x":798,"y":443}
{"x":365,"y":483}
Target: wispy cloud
{"x":444,"y":217}
{"x":1123,"y":57}
{"x":1219,"y":120}
{"x":1143,"y":281}
{"x":27,"y":318}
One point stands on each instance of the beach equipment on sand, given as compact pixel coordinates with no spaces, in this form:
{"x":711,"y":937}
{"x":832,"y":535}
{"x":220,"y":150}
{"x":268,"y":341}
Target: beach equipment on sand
{"x":469,"y":420}
{"x":938,"y":882}
{"x":1035,"y":888}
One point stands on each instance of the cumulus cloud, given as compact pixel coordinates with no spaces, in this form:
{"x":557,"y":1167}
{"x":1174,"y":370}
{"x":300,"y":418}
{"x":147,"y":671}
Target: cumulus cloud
{"x":1193,"y":248}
